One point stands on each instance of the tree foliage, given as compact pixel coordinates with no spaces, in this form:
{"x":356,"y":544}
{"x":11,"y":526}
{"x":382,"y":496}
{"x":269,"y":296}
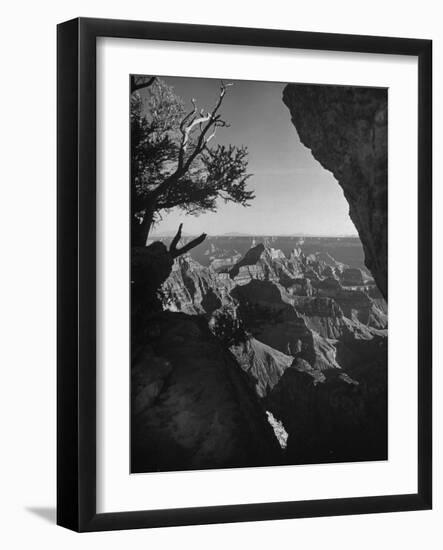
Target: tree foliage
{"x":228,"y":328}
{"x":173,"y":160}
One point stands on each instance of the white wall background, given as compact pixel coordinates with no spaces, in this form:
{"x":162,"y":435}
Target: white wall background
{"x":27,"y":286}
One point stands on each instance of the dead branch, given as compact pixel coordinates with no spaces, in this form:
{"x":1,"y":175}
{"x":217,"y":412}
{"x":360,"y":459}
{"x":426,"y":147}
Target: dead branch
{"x":193,"y":119}
{"x":176,"y":239}
{"x":205,"y":123}
{"x":175,"y":252}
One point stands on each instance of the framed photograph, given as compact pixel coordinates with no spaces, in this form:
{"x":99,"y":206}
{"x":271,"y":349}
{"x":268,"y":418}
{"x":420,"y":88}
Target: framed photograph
{"x":236,"y":209}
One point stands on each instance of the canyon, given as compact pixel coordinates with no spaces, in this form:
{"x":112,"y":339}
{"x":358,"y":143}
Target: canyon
{"x":259,"y":356}
{"x":260,"y":350}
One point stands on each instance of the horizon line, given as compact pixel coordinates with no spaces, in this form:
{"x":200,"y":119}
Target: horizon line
{"x":337,"y":235}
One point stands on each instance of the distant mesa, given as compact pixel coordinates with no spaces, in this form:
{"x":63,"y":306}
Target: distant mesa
{"x":236,"y":234}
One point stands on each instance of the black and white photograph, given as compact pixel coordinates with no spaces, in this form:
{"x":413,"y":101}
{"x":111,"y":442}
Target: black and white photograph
{"x":221,"y":269}
{"x":259,"y":318}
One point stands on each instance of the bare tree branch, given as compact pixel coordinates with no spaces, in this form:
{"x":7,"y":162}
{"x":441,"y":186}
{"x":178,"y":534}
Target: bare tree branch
{"x":176,"y":239}
{"x":188,"y":116}
{"x":211,"y":119}
{"x":175,"y":252}
{"x":187,"y":125}
{"x":187,"y":131}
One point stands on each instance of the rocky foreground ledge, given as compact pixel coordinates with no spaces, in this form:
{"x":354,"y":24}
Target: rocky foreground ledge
{"x":193,"y":407}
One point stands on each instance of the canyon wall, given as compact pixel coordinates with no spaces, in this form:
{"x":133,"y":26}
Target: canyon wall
{"x":192,"y":406}
{"x":346,"y":130}
{"x":313,"y":355}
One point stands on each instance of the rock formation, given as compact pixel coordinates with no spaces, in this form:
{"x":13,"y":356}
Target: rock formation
{"x":306,"y":343}
{"x":229,"y":360}
{"x":340,"y":416}
{"x":346,"y":130}
{"x":193,"y":407}
{"x":266,"y":263}
{"x":195,"y":289}
{"x":264,"y":364}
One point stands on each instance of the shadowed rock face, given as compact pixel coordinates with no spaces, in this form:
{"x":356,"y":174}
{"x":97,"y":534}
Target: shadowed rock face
{"x":340,"y":416}
{"x":193,"y":407}
{"x":346,"y":130}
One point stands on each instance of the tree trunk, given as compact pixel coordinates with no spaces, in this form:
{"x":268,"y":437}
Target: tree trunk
{"x":140,"y":231}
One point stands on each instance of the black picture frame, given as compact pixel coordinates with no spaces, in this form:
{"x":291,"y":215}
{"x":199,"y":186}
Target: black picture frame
{"x":76,"y":295}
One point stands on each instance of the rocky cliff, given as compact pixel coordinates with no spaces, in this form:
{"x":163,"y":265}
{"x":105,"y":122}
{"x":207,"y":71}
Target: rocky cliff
{"x":264,"y":364}
{"x":346,"y":130}
{"x":280,"y":358}
{"x":338,"y":416}
{"x":192,"y":405}
{"x":266,"y":263}
{"x":195,"y":289}
{"x":309,"y":334}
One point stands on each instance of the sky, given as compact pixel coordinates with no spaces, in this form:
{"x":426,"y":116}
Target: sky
{"x":294,"y":193}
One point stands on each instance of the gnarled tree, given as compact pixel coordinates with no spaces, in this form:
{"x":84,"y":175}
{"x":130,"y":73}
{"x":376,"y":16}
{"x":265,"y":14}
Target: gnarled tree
{"x":173,"y":162}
